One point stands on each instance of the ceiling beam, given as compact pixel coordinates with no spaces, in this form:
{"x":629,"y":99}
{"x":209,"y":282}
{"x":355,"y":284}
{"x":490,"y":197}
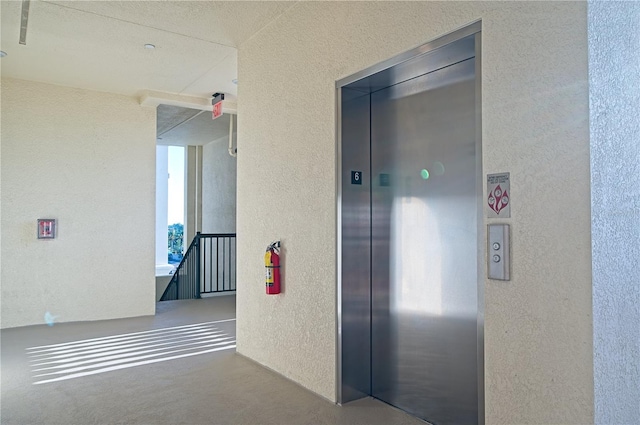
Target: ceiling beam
{"x":155,"y":98}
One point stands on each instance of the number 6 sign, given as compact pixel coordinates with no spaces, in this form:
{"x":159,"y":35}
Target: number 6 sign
{"x":356,"y":177}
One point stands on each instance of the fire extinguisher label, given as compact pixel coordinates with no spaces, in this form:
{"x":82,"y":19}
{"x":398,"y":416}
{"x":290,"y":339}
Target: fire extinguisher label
{"x":268,"y":268}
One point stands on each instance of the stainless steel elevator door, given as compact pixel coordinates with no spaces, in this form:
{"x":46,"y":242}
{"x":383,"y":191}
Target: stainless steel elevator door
{"x":424,"y":245}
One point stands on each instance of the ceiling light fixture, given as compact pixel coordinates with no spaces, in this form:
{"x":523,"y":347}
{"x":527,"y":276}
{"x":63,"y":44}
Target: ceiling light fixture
{"x":2,"y":54}
{"x":149,"y":46}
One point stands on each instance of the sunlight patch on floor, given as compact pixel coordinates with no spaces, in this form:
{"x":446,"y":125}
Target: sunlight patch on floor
{"x":69,"y":360}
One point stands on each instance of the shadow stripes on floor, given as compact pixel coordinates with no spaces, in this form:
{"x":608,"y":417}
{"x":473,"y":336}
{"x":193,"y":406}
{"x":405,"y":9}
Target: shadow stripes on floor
{"x":69,"y":360}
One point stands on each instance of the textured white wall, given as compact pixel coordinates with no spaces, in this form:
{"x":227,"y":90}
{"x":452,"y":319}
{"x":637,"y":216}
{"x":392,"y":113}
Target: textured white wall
{"x":614,"y":91}
{"x":218,"y":188}
{"x":88,"y":160}
{"x":162,"y":208}
{"x":535,"y":124}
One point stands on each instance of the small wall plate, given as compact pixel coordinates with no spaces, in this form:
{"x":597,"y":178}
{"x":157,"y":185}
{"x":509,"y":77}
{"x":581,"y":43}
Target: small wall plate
{"x":46,"y":228}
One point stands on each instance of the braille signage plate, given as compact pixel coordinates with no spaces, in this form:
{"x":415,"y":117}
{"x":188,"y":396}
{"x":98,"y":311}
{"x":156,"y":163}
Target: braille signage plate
{"x":356,"y":177}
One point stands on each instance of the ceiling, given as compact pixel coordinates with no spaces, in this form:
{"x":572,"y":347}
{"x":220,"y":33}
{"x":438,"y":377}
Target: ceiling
{"x":177,"y":126}
{"x":99,"y":45}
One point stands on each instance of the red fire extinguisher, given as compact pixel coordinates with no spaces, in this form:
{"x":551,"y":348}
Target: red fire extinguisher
{"x":272,"y":265}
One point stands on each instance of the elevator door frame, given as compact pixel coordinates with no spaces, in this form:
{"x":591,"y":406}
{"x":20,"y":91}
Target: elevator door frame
{"x":472,"y":29}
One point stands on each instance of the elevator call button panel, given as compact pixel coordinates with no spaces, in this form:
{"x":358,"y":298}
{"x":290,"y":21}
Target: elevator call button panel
{"x":498,"y":255}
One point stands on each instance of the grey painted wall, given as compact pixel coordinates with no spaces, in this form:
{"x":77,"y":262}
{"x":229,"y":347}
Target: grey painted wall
{"x":218,"y":188}
{"x":614,"y":94}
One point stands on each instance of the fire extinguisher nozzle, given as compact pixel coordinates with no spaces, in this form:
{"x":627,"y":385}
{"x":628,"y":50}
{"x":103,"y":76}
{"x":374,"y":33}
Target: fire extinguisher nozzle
{"x":273,"y":245}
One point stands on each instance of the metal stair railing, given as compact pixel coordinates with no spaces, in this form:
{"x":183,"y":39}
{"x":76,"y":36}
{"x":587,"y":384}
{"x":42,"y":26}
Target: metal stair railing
{"x":208,"y":266}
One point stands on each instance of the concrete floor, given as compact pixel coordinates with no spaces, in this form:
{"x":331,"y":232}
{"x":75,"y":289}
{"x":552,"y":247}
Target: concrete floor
{"x":159,"y":386}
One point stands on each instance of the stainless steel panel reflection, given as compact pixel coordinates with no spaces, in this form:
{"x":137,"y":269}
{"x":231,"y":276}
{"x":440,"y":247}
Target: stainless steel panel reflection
{"x":480,"y":218}
{"x":425,"y":63}
{"x":356,"y":243}
{"x":445,"y":40}
{"x":424,"y":245}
